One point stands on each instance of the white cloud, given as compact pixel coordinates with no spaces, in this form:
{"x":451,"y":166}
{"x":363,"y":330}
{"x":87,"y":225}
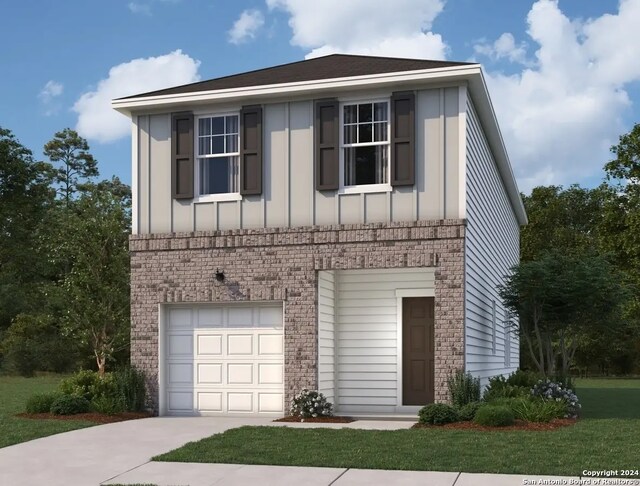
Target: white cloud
{"x":375,"y":27}
{"x":139,"y":8}
{"x":246,"y":27}
{"x":50,"y":90}
{"x":98,"y":121}
{"x":504,"y":48}
{"x":561,"y":114}
{"x":48,"y":94}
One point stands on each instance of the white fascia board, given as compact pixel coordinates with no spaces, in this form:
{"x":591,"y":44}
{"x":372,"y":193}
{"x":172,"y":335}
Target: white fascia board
{"x":128,"y":105}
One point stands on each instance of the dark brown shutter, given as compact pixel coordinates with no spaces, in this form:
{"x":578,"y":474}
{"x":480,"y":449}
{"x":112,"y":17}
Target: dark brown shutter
{"x":326,"y":150}
{"x":251,"y":150}
{"x":182,"y":155}
{"x":403,"y":139}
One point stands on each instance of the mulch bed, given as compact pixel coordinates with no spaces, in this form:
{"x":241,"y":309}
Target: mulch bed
{"x":519,"y":425}
{"x":98,"y":418}
{"x":326,"y":420}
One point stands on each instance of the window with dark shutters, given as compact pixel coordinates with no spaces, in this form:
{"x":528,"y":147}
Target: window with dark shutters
{"x":402,"y":139}
{"x":251,"y":150}
{"x":182,"y":155}
{"x":326,"y":151}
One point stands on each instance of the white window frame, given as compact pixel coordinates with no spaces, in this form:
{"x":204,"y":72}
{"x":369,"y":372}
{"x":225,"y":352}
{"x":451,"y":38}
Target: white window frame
{"x":227,"y":196}
{"x":493,"y":328}
{"x":364,"y":188}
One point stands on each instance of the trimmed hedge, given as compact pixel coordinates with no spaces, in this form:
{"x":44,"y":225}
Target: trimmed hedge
{"x":69,"y":405}
{"x":495,"y":416}
{"x":467,"y":412}
{"x":438,"y":414}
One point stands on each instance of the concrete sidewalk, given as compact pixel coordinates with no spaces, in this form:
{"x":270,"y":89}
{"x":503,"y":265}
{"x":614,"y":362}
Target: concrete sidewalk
{"x":191,"y":474}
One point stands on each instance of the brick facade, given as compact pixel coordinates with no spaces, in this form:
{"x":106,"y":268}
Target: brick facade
{"x":281,"y":264}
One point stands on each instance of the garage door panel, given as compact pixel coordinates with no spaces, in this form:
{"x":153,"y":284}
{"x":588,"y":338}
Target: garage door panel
{"x":270,"y":402}
{"x":240,"y":317}
{"x":270,"y":374}
{"x":239,"y":344}
{"x":269,"y":344}
{"x":225,"y":360}
{"x":209,"y":344}
{"x":180,"y":318}
{"x":180,"y":401}
{"x":180,"y":345}
{"x":180,"y":374}
{"x":240,"y":373}
{"x":209,"y":374}
{"x":239,"y":401}
{"x":210,"y":401}
{"x":210,"y":317}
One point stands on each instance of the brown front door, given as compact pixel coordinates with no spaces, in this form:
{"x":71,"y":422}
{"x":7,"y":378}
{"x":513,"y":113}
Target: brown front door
{"x":417,"y":350}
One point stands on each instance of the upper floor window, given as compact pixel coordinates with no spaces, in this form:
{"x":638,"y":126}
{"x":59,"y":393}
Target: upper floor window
{"x":365,"y":143}
{"x":218,"y":151}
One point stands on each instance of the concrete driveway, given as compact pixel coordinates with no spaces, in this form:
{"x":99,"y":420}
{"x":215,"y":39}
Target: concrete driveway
{"x":96,"y":454}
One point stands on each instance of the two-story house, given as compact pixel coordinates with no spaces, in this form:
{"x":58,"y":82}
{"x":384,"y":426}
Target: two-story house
{"x":339,"y":223}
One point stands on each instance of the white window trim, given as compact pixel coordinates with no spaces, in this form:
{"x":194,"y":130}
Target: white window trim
{"x":206,"y":198}
{"x":363,"y":188}
{"x":493,"y":328}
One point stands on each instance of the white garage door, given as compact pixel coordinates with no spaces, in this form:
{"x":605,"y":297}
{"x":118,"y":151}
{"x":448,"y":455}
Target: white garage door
{"x":223,"y":360}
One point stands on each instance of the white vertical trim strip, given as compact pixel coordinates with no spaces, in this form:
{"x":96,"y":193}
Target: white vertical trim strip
{"x":336,"y":320}
{"x":162,"y":390}
{"x":135,"y":169}
{"x":399,"y":351}
{"x":150,"y":229}
{"x":462,"y":151}
{"x":443,"y":156}
{"x":287,"y":171}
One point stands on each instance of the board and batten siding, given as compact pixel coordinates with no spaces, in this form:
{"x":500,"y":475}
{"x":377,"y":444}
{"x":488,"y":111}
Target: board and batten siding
{"x":289,"y":197}
{"x":326,"y":334}
{"x":367,"y":336}
{"x":492,"y":247}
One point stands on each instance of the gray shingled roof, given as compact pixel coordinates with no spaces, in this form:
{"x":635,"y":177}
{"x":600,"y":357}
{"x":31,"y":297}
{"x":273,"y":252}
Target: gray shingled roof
{"x":327,"y":67}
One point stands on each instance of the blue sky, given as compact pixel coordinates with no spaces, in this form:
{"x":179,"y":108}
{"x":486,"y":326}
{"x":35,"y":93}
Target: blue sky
{"x":563,"y":75}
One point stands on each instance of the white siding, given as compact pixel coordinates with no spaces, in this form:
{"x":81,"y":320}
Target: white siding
{"x":326,"y":334}
{"x":367,"y":347}
{"x":492,"y":246}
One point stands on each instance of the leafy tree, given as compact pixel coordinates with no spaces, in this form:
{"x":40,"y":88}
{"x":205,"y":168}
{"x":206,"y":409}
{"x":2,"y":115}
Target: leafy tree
{"x":96,"y":289}
{"x":70,"y":152}
{"x":562,"y":218}
{"x":25,"y":196}
{"x":558,"y":299}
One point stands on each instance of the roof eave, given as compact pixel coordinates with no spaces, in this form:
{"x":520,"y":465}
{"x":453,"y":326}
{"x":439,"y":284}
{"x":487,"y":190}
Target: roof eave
{"x":174,"y":101}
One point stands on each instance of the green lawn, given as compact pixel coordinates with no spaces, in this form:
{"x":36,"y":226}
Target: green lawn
{"x":14,"y":392}
{"x":606,"y":438}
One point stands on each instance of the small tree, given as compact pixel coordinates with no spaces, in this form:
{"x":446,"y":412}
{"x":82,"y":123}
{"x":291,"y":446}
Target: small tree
{"x":96,"y":290}
{"x":558,"y":299}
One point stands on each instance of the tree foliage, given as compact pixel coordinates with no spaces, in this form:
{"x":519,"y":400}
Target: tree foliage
{"x":559,"y":299}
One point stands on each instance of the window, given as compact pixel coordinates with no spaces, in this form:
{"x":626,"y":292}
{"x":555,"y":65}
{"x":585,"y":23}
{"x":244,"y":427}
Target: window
{"x":507,"y":345}
{"x":218,"y":153}
{"x":365,"y":143}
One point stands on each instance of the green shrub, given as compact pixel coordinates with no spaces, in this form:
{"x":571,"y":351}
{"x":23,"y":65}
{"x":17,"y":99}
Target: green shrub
{"x":88,"y":384}
{"x":467,"y":412}
{"x":107,"y":404}
{"x":129,"y":389}
{"x":537,"y":410}
{"x":438,"y":414}
{"x":499,"y":387}
{"x":525,"y":379}
{"x":463,"y":388}
{"x":41,"y":402}
{"x":69,"y":405}
{"x":494,"y":416}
